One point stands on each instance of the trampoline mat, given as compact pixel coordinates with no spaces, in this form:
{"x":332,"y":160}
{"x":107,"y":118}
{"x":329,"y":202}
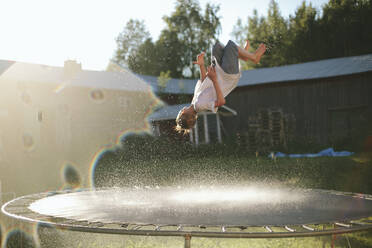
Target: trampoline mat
{"x":228,"y":206}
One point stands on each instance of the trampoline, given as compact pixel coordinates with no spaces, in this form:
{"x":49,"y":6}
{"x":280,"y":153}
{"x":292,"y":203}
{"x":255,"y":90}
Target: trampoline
{"x":218,"y":212}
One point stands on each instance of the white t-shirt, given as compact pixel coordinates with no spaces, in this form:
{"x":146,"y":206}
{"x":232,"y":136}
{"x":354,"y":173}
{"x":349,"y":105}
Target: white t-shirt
{"x":205,"y":94}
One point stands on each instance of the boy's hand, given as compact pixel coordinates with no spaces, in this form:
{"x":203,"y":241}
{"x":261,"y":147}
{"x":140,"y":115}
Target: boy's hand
{"x":211,"y":73}
{"x":199,"y":59}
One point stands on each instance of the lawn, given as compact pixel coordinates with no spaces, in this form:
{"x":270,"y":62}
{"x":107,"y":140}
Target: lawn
{"x":160,"y":163}
{"x":224,"y":165}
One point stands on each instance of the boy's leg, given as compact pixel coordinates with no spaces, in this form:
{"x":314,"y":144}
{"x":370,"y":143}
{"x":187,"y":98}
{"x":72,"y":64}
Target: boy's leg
{"x":217,"y":52}
{"x":254,"y":57}
{"x":230,"y":58}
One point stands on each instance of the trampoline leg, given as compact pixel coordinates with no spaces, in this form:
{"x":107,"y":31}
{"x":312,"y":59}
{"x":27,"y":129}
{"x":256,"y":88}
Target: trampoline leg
{"x":187,"y":241}
{"x":333,"y":241}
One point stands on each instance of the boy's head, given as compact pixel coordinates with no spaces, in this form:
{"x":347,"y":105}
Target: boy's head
{"x":186,"y":119}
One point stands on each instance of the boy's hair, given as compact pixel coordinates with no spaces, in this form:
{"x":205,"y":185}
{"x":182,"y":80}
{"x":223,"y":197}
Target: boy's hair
{"x":185,"y":122}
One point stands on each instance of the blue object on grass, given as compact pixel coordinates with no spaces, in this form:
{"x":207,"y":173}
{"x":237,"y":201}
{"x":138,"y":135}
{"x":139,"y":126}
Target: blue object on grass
{"x":326,"y":152}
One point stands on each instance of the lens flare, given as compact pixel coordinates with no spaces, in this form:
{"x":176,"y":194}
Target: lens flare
{"x":97,"y":95}
{"x":60,"y":87}
{"x":26,"y":98}
{"x":28,"y":141}
{"x":71,"y":176}
{"x":143,"y":127}
{"x":1,"y":235}
{"x":18,"y":238}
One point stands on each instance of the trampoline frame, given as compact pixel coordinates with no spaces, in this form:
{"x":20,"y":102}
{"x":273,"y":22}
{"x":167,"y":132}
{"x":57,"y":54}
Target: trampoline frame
{"x":18,"y":209}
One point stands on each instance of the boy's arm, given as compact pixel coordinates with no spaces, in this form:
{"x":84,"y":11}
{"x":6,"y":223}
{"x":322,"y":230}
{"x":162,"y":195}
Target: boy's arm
{"x":200,"y":61}
{"x":203,"y":73}
{"x":212,"y":75}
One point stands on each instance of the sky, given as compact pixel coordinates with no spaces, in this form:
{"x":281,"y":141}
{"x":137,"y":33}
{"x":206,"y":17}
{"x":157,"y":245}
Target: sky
{"x":51,"y":31}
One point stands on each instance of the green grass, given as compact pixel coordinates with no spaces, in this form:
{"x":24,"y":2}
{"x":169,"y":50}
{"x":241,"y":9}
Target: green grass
{"x":221,"y":164}
{"x":336,"y":173}
{"x":223,"y":167}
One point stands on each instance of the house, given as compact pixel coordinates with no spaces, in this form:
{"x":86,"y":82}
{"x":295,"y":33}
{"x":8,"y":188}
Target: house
{"x":52,"y":116}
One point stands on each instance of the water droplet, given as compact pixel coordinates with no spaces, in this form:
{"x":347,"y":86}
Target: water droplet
{"x":26,"y":98}
{"x":71,"y":176}
{"x":49,"y":236}
{"x":28,"y":141}
{"x":97,"y":95}
{"x":18,"y":238}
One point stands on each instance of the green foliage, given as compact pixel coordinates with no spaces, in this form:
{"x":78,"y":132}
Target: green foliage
{"x":163,"y":79}
{"x":129,"y":40}
{"x":148,"y":160}
{"x":145,"y":160}
{"x":144,"y":58}
{"x":347,"y":23}
{"x":340,"y":29}
{"x":188,"y":31}
{"x":303,"y":34}
{"x":194,"y":30}
{"x":18,"y":238}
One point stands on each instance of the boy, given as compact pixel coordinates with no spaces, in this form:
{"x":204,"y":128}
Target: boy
{"x":217,"y":81}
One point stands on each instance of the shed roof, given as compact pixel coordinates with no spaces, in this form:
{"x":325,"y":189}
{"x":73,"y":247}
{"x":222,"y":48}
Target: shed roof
{"x":174,"y":86}
{"x":309,"y":70}
{"x":170,"y":112}
{"x":303,"y":71}
{"x":167,"y":112}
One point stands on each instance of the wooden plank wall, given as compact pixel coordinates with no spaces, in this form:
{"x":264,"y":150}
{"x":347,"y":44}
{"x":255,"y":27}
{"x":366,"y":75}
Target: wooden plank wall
{"x":311,"y":101}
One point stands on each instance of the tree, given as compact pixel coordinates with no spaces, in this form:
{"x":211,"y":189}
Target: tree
{"x":171,"y":54}
{"x":271,"y":30}
{"x":304,"y":35}
{"x":239,"y":32}
{"x":144,"y":59}
{"x":341,"y":30}
{"x":346,"y":26}
{"x":129,"y":40}
{"x":187,"y":33}
{"x":163,"y":80}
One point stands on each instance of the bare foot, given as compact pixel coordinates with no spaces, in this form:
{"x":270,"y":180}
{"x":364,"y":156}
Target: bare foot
{"x":258,"y":53}
{"x":199,"y":59}
{"x":246,"y":46}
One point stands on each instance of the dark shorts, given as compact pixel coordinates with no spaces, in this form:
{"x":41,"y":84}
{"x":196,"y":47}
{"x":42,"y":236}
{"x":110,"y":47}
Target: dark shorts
{"x":227,"y":56}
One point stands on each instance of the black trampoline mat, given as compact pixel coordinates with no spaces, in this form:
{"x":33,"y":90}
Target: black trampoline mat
{"x":227,"y":206}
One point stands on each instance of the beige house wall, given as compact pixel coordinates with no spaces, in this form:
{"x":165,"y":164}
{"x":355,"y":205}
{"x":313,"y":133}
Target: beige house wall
{"x":43,"y":127}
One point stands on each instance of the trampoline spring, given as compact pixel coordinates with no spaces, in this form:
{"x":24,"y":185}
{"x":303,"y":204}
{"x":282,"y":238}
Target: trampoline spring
{"x":97,"y":224}
{"x":125,"y":225}
{"x":359,"y":223}
{"x":308,"y":228}
{"x":82,"y":223}
{"x":268,"y":229}
{"x":342,"y":224}
{"x":289,"y":229}
{"x":137,"y":227}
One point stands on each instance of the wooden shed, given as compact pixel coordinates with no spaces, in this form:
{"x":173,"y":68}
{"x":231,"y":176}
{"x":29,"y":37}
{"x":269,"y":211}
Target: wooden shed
{"x":327,"y":101}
